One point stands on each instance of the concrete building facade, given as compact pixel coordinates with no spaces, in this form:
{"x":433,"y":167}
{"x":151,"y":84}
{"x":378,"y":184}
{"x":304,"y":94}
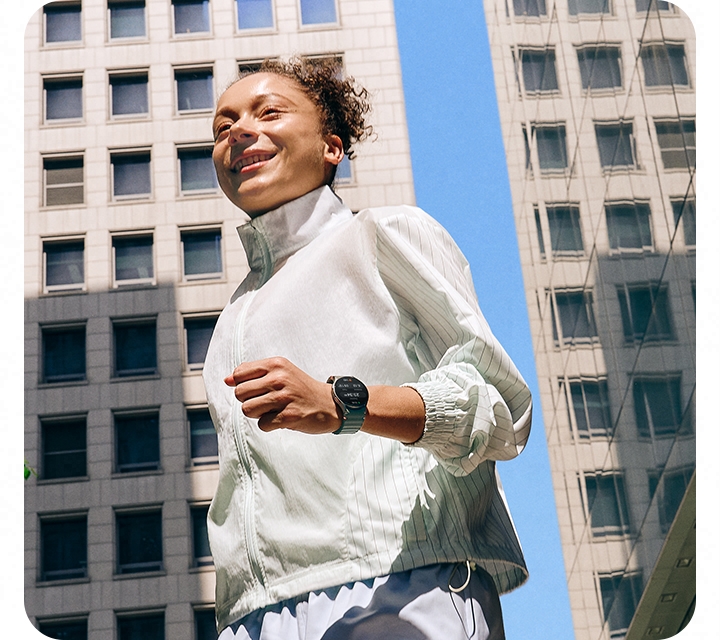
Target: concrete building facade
{"x":130,"y":255}
{"x":597,"y":107}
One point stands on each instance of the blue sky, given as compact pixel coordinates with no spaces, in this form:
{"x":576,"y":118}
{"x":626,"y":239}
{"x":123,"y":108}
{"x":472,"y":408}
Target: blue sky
{"x":461,"y":180}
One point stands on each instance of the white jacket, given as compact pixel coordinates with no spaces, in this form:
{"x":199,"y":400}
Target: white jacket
{"x":385,"y":296}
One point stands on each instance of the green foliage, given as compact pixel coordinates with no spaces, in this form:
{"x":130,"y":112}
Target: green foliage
{"x":29,"y":471}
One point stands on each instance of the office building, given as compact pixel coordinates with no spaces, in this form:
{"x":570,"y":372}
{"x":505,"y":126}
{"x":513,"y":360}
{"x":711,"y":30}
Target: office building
{"x":597,"y":107}
{"x":131,"y":253}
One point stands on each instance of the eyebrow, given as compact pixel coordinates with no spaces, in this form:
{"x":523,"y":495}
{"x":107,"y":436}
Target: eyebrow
{"x":258,"y":100}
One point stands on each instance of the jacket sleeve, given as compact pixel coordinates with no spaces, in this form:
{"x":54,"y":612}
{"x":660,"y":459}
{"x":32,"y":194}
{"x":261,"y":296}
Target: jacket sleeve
{"x":477,"y":405}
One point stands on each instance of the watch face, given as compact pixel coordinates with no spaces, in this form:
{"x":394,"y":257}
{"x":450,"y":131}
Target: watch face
{"x":351,"y":392}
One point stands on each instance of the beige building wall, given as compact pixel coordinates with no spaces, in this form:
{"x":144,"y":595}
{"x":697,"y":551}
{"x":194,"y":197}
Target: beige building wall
{"x":597,"y":106}
{"x":76,"y":222}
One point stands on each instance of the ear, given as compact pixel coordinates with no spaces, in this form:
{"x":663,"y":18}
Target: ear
{"x":333,"y":149}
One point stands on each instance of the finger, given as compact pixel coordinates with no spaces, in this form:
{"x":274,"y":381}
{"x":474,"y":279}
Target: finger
{"x":260,"y":405}
{"x":269,"y":421}
{"x":255,"y":369}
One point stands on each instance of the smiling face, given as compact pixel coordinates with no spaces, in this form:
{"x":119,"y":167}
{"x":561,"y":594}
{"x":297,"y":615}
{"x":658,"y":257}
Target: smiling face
{"x":269,"y":145}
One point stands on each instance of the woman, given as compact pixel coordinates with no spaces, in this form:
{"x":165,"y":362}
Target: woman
{"x":359,"y":396}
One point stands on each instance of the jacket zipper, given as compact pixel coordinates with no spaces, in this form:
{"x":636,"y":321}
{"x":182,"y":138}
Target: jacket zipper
{"x":256,"y":568}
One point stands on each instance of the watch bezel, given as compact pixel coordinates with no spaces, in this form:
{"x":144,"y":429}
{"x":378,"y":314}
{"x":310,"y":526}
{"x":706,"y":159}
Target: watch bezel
{"x":341,"y":394}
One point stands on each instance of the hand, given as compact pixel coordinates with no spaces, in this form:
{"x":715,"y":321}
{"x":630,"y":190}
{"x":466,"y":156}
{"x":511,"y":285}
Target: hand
{"x":282,"y":396}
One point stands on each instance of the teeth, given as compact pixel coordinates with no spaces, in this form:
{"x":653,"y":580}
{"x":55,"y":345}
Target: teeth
{"x":252,"y":160}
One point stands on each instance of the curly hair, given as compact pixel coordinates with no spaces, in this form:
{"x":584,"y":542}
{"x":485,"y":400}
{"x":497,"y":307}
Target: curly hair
{"x":342,"y":102}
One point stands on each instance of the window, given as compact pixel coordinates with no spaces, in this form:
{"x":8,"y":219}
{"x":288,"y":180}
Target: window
{"x":202,"y":256}
{"x":64,"y":262}
{"x":643,"y":6}
{"x":65,"y":629}
{"x":576,"y":7}
{"x":191,"y":16}
{"x":203,"y":439}
{"x":197,"y":171}
{"x":194,"y":89}
{"x":343,"y":173}
{"x":607,"y":504}
{"x":538,"y":228}
{"x":318,"y":11}
{"x":576,"y":318}
{"x":64,"y":448}
{"x":551,"y":147}
{"x":658,"y":406}
{"x":63,"y":547}
{"x":62,"y":22}
{"x":137,"y":442}
{"x":135,"y":348}
{"x":205,"y":624}
{"x":246,"y":67}
{"x":198,"y":332}
{"x":538,"y":70}
{"x":591,"y":408}
{"x":676,"y":140}
{"x":201,"y":546}
{"x":685,"y":209}
{"x":664,"y":65}
{"x":63,"y":98}
{"x":620,"y":598}
{"x":139,"y":542}
{"x":528,"y":157}
{"x":672,"y":484}
{"x":645,"y":312}
{"x":254,"y":14}
{"x":129,"y":94}
{"x":127,"y":19}
{"x":533,"y":8}
{"x":63,"y":181}
{"x":131,"y":175}
{"x":565,"y":231}
{"x":599,"y":67}
{"x":615,"y":144}
{"x":148,"y":626}
{"x":133,"y":259}
{"x":63,"y":353}
{"x":629,"y":226}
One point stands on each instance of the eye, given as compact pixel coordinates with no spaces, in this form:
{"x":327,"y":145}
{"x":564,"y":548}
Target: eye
{"x":221,"y":129}
{"x":270,"y":112}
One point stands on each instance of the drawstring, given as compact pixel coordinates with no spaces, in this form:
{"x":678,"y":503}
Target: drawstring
{"x":470,"y":566}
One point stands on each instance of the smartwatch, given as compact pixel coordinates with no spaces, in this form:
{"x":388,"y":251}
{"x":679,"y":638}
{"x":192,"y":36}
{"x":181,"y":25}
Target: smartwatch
{"x":351,"y":396}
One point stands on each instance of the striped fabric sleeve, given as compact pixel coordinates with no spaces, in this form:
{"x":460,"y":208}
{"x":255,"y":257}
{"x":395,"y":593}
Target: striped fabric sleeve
{"x":477,"y":405}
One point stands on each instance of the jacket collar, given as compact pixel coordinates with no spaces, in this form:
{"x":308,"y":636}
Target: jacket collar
{"x":273,"y":237}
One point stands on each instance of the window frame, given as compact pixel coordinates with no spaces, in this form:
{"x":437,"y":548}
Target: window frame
{"x":638,"y":206}
{"x":559,"y":338}
{"x":616,"y":580}
{"x":123,"y":39}
{"x":583,"y":384}
{"x":199,"y":461}
{"x":671,"y":84}
{"x":48,"y":422}
{"x":123,"y":374}
{"x":69,"y":157}
{"x":138,"y":468}
{"x":63,"y":379}
{"x":204,"y":611}
{"x":605,"y":47}
{"x":530,"y":16}
{"x":243,"y":30}
{"x":132,"y":282}
{"x":576,"y":223}
{"x":199,"y":561}
{"x":646,"y":429}
{"x":660,"y":300}
{"x":561,"y":129}
{"x":577,"y":13}
{"x":317,"y":25}
{"x":61,"y":43}
{"x":143,"y":72}
{"x":190,"y":318}
{"x":79,"y":574}
{"x":209,"y":275}
{"x":688,"y":151}
{"x":182,"y":149}
{"x":147,"y":614}
{"x":623,"y":126}
{"x":51,"y":79}
{"x":139,"y":152}
{"x":620,"y":506}
{"x":658,"y":489}
{"x":191,"y":34}
{"x":684,"y":208}
{"x":668,"y":7}
{"x":189,"y":70}
{"x":45,"y":624}
{"x":520,"y":61}
{"x":74,"y":287}
{"x":143,"y":567}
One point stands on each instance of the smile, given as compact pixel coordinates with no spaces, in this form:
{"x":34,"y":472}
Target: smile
{"x":250,"y":162}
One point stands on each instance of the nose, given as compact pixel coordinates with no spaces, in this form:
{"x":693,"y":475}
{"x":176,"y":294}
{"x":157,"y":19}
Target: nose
{"x":242,"y":132}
